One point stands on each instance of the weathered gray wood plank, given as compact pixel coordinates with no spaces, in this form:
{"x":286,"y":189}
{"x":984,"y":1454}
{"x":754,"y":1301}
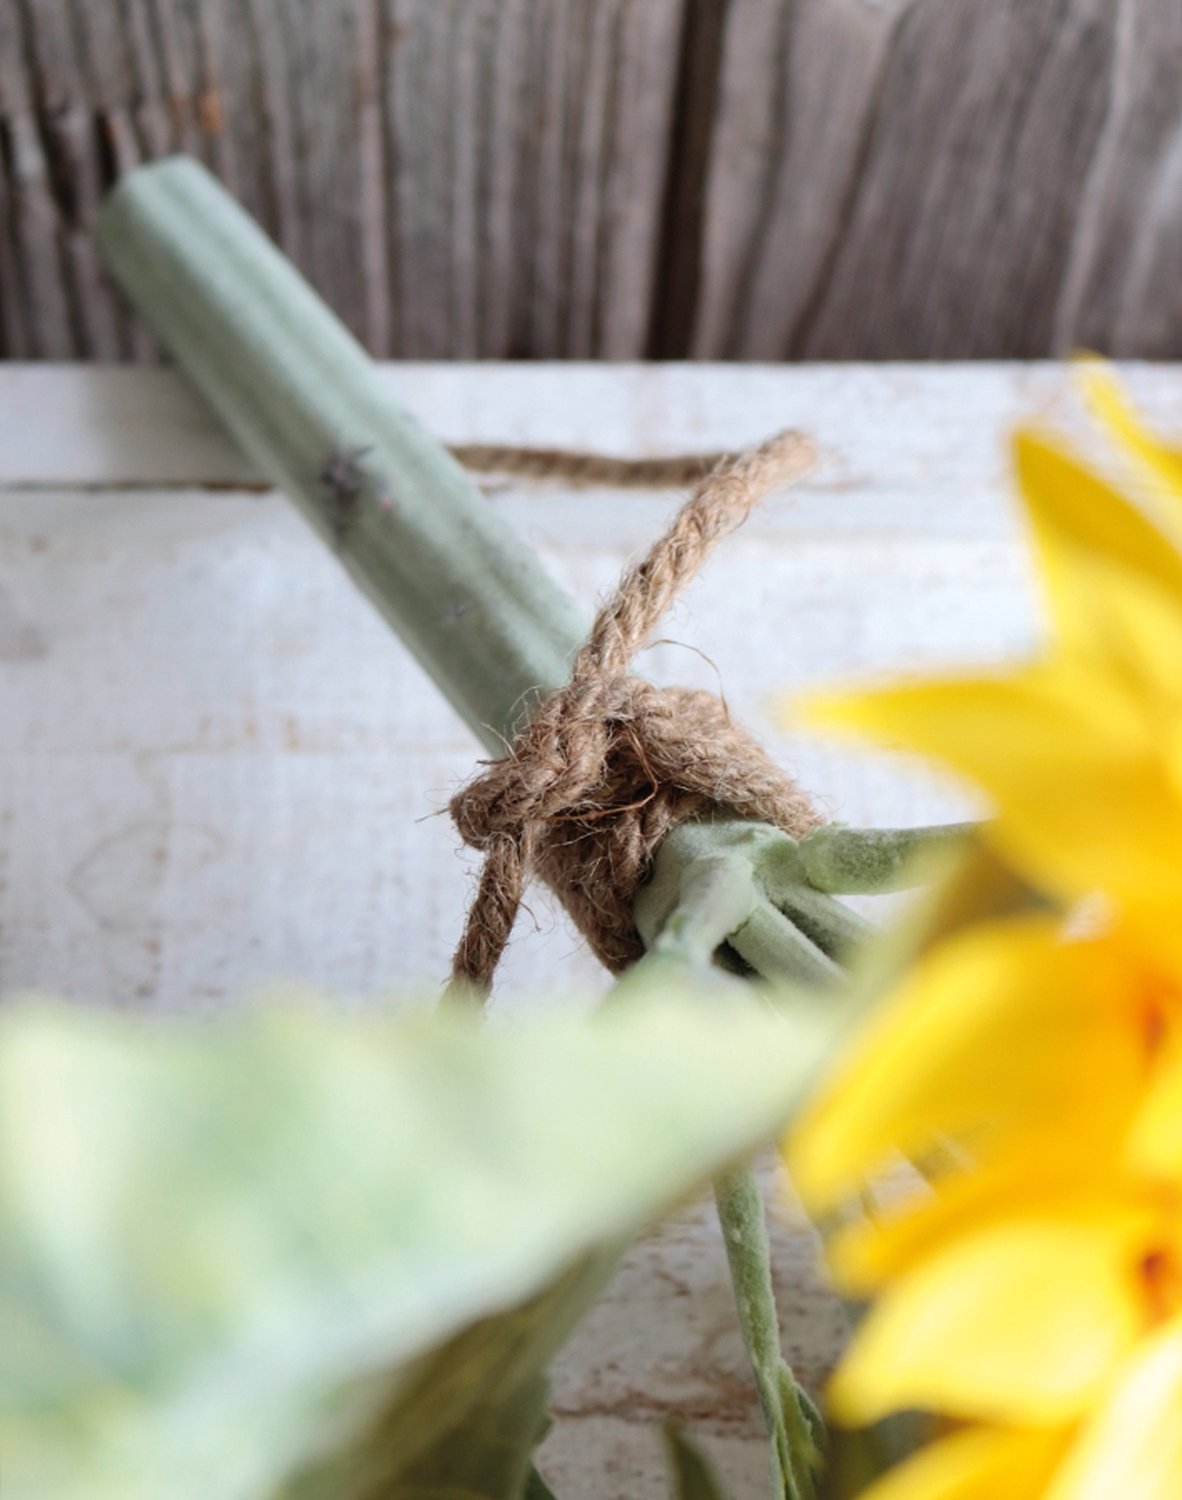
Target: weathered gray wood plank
{"x":458,"y":177}
{"x":1121,"y":289}
{"x":796,"y":87}
{"x":945,"y":178}
{"x":752,"y":179}
{"x":986,"y":121}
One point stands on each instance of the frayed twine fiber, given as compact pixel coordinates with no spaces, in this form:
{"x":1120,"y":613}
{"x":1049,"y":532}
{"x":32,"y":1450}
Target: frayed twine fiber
{"x":608,"y":765}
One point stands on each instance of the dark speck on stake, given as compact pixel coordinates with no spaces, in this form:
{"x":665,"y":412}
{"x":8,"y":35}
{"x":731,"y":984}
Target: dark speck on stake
{"x":343,"y":483}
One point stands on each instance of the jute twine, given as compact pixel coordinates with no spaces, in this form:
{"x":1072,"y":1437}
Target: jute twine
{"x":608,"y":765}
{"x":575,"y":468}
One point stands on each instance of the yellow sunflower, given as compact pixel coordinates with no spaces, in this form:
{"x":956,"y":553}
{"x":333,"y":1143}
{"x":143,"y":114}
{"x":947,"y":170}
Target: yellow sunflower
{"x":1029,"y":1284}
{"x":1080,"y":750}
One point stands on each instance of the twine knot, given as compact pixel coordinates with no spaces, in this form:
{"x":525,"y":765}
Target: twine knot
{"x":609,"y":764}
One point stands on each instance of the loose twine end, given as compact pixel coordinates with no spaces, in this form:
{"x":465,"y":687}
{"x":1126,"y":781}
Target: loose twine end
{"x":608,"y":765}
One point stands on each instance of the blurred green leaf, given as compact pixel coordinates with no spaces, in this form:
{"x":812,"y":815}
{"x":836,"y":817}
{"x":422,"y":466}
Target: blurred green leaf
{"x":856,"y":1457}
{"x":467,"y":1418}
{"x":293,"y":1254}
{"x":693,"y":1475}
{"x":536,"y":1488}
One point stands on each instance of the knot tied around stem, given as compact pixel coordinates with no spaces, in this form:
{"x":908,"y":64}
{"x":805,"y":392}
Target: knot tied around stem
{"x":609,"y":764}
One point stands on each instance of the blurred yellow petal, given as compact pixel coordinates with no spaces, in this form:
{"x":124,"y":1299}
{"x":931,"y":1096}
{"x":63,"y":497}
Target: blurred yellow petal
{"x":1113,"y":578}
{"x":1070,"y":759}
{"x":1107,"y":400}
{"x":980,"y":1463}
{"x":1000,"y":1026}
{"x":941,"y":716}
{"x":1154,"y":925}
{"x":1022,"y":1321}
{"x":1072,"y":1164}
{"x":1154,"y":1145}
{"x":1132,"y":1450}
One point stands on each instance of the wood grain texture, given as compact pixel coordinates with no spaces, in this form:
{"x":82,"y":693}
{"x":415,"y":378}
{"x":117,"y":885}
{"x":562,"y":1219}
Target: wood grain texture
{"x":458,"y":177}
{"x":796,"y":86}
{"x":945,"y":178}
{"x":750,"y":179}
{"x":1122,"y":286}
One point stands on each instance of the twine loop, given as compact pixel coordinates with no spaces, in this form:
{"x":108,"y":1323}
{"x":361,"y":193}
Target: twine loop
{"x":609,"y":764}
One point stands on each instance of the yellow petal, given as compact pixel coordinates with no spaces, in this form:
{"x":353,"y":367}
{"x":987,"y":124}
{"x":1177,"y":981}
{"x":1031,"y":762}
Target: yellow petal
{"x":1023,"y":1321}
{"x":1071,"y":760}
{"x":1000,"y":1026}
{"x":1154,"y":1145}
{"x":1106,"y":399}
{"x":1069,"y":1160}
{"x":1113,"y":578}
{"x":1133,"y":1447}
{"x":980,"y":1463}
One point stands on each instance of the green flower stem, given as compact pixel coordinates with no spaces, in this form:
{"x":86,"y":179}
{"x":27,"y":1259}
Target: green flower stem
{"x":792,"y":1421}
{"x":833,"y":928}
{"x":718,"y":894}
{"x":694,"y":904}
{"x":699,"y":894}
{"x":868,"y":861}
{"x":825,"y":928}
{"x":778,"y":950}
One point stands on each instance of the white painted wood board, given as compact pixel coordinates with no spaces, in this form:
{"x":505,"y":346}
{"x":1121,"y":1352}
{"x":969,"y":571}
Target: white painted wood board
{"x":219,"y":770}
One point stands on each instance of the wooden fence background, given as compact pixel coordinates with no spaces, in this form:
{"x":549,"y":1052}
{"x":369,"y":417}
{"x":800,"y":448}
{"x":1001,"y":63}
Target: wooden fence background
{"x":748,"y":179}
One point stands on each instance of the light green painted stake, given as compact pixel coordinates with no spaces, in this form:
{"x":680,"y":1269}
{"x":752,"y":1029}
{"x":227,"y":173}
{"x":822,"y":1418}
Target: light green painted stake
{"x":302,"y":398}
